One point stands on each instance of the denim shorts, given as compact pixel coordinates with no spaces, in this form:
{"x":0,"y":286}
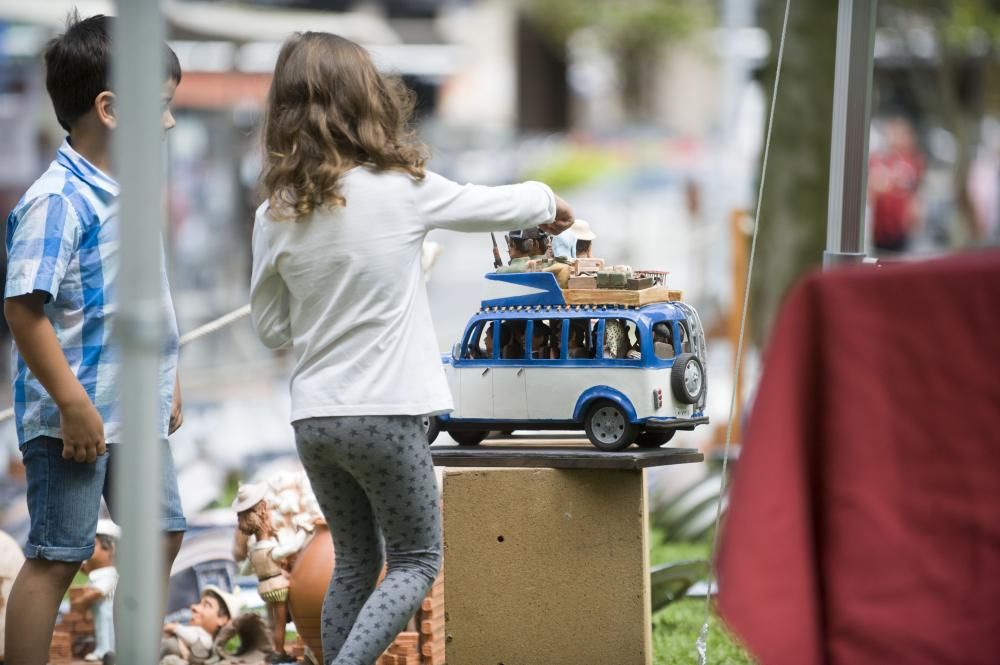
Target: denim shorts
{"x":64,"y":499}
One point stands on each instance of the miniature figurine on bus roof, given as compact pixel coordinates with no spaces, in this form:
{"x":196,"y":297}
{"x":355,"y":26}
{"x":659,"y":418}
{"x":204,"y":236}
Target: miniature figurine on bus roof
{"x":625,"y":364}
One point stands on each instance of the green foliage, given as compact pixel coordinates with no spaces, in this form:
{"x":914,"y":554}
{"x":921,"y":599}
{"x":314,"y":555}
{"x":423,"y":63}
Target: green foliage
{"x":624,"y":24}
{"x":676,"y":627}
{"x":572,"y":167}
{"x":963,"y":24}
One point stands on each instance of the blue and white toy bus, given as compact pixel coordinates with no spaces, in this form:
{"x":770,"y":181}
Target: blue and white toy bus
{"x":528,"y":360}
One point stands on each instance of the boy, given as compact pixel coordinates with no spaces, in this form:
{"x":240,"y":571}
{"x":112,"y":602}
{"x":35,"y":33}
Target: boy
{"x":193,"y":643}
{"x":99,"y":595}
{"x":62,"y":242}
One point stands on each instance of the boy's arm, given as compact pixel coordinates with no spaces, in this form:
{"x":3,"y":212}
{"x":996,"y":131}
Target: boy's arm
{"x":82,"y":426}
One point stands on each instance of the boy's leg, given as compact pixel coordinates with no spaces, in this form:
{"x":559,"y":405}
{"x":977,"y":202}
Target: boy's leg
{"x":64,"y":499}
{"x":172,"y":520}
{"x":32,"y":609}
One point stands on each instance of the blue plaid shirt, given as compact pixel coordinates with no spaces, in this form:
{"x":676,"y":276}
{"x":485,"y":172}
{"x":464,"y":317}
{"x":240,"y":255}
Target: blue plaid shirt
{"x":62,"y":239}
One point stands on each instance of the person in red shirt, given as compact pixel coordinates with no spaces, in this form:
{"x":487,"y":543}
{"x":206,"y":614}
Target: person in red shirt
{"x":894,"y":176}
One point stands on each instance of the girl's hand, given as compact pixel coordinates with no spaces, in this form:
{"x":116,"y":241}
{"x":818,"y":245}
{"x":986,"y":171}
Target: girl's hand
{"x":564,"y":219}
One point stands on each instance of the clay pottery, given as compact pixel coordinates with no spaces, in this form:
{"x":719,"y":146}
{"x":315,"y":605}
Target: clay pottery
{"x":310,"y":578}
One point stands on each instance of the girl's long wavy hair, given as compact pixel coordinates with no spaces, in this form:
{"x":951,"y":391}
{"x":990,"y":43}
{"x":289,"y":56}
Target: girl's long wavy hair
{"x":329,"y":110}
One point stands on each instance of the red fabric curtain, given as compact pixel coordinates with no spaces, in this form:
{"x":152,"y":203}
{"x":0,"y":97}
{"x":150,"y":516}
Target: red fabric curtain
{"x":864,"y":517}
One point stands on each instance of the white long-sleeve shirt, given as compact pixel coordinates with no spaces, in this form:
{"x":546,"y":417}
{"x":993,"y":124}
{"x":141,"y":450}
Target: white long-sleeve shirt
{"x":344,"y":287}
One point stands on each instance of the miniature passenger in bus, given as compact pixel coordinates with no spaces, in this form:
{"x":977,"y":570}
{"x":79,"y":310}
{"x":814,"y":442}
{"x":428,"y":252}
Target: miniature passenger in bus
{"x":615,"y":338}
{"x":578,"y":339}
{"x":512,"y":340}
{"x":555,"y":339}
{"x":663,"y":344}
{"x":584,"y":239}
{"x":478,"y":352}
{"x":523,"y":245}
{"x":529,"y":250}
{"x":635,"y":353}
{"x":540,"y":345}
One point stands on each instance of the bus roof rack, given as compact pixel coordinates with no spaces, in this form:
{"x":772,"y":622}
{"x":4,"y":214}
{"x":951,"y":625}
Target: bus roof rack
{"x":540,"y":289}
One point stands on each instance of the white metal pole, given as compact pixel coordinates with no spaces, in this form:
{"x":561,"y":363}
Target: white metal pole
{"x":852,"y":92}
{"x":138,"y":83}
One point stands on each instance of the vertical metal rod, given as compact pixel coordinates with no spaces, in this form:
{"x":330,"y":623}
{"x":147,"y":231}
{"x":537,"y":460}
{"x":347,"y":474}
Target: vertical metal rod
{"x":852,"y":92}
{"x":138,"y":83}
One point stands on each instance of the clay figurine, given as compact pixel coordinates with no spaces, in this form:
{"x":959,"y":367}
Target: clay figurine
{"x":99,"y":596}
{"x":267,"y":554}
{"x":193,"y":644}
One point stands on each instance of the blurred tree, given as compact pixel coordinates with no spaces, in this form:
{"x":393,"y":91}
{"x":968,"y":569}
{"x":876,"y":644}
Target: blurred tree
{"x":632,"y":31}
{"x":966,"y":35}
{"x":792,"y":233}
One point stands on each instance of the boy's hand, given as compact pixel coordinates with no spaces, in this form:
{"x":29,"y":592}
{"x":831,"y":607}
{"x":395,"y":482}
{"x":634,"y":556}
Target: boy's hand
{"x":564,"y":219}
{"x":176,"y":409}
{"x":82,"y":431}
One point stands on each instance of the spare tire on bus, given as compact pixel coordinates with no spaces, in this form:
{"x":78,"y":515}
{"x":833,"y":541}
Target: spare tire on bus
{"x":687,"y":378}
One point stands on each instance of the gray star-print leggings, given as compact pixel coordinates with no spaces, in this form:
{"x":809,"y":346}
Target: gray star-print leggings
{"x":375,"y":483}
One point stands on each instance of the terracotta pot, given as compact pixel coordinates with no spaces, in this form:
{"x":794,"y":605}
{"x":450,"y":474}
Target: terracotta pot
{"x":310,"y":578}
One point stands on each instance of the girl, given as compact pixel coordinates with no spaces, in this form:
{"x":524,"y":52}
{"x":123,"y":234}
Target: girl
{"x":336,"y":273}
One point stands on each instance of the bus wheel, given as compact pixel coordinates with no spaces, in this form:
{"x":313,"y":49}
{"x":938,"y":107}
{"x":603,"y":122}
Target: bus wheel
{"x":468,"y":438}
{"x":432,"y":427}
{"x":654,"y":439}
{"x":608,"y":427}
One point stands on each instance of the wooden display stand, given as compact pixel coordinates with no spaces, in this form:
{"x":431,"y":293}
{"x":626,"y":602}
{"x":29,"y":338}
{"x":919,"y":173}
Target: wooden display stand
{"x":621,"y":296}
{"x":548,"y":565}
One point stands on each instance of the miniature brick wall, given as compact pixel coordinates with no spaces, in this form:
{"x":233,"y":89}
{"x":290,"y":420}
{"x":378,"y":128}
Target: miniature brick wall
{"x":61,"y":647}
{"x":74,"y":634}
{"x":426,"y":645}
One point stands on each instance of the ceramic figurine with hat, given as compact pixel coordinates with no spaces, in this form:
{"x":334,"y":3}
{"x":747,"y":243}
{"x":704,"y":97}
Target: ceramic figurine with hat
{"x":99,"y":595}
{"x":268,"y":558}
{"x":584,"y":239}
{"x":193,"y":643}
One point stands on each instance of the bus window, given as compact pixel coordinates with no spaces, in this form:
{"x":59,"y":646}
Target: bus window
{"x":479,"y":344}
{"x":663,"y":340}
{"x":685,"y":345}
{"x":621,"y":340}
{"x":582,"y":334}
{"x":546,"y":339}
{"x":512,"y":346}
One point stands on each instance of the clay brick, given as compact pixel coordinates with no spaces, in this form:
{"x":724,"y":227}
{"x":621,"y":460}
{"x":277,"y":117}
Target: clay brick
{"x":61,"y":647}
{"x":431,"y":604}
{"x":72,"y":617}
{"x":430,"y":650}
{"x":582,"y":282}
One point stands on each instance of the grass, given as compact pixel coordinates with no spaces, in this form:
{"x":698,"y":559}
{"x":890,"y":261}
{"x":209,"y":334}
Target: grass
{"x":677,"y":626}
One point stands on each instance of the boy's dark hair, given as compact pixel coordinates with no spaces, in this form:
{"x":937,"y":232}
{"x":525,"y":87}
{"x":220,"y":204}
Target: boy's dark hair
{"x":78,"y":66}
{"x":107,"y":542}
{"x":223,"y":608}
